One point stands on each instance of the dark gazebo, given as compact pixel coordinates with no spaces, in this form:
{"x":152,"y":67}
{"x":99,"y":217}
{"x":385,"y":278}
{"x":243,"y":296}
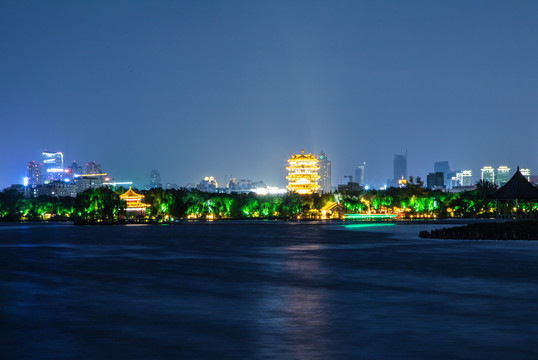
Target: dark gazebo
{"x":517,"y":189}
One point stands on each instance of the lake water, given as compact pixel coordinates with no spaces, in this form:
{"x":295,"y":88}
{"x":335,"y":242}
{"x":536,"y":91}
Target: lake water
{"x":263,"y":291}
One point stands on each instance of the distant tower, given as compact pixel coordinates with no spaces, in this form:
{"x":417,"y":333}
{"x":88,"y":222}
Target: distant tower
{"x":400,"y":168}
{"x":359,"y":174}
{"x":208,"y":184}
{"x":75,"y":168}
{"x":441,"y":166}
{"x":464,"y":178}
{"x":93,"y":168}
{"x":53,"y":165}
{"x":324,"y":172}
{"x":155,"y":179}
{"x":346,"y":179}
{"x":35,"y":177}
{"x":488,"y":174}
{"x":526,"y":173}
{"x":303,"y":173}
{"x":503,"y":175}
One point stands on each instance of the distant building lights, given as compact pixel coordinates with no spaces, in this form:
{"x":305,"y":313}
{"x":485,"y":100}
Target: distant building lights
{"x":270,"y":190}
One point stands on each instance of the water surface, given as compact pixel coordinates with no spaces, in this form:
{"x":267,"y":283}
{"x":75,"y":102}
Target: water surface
{"x":265,"y":291}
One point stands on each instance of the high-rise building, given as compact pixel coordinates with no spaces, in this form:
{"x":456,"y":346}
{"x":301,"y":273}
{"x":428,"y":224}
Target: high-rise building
{"x":464,"y":178}
{"x":93,"y":168}
{"x":84,"y":183}
{"x":303,"y":173}
{"x":324,"y":172}
{"x":154,"y":179}
{"x":75,"y":168}
{"x":503,"y":175}
{"x":441,"y":166}
{"x":400,"y":168}
{"x":232,"y":184}
{"x":450,"y":177}
{"x":526,"y":173}
{"x":35,"y":177}
{"x":53,"y":166}
{"x":347,"y":179}
{"x":488,"y":174}
{"x":359,"y":174}
{"x":72,"y":172}
{"x":208,"y":184}
{"x":56,"y":189}
{"x":435,"y":180}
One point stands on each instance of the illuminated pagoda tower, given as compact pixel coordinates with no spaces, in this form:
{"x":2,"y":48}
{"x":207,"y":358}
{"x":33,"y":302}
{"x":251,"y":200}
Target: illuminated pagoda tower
{"x":134,"y":205}
{"x":303,"y":173}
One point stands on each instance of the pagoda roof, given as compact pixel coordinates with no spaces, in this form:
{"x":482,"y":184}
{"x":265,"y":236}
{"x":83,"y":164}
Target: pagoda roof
{"x":303,"y":156}
{"x":331,"y":205}
{"x":518,"y":187}
{"x":130,"y":194}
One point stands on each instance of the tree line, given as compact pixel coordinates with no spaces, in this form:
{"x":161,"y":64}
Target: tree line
{"x":104,"y":204}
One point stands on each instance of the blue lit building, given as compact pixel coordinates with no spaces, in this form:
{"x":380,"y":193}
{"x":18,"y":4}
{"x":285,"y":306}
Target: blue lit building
{"x":53,"y":166}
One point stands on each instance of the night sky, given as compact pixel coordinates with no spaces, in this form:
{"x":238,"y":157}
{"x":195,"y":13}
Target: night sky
{"x":234,"y":88}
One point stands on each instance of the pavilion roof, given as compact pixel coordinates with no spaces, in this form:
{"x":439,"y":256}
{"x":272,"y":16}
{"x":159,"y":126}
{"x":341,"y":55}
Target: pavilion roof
{"x":331,"y":205}
{"x":302,"y":156}
{"x":518,"y":187}
{"x":130,"y":194}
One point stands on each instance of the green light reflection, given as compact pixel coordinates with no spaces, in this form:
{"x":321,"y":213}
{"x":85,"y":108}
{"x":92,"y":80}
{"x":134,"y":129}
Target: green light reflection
{"x":360,"y":226}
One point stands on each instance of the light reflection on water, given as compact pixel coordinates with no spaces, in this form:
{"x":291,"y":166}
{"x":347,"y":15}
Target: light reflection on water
{"x":367,"y":225}
{"x":292,"y":317}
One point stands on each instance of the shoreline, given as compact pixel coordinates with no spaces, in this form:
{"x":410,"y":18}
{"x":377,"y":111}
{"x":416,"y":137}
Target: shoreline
{"x":446,"y":221}
{"x":510,"y":230}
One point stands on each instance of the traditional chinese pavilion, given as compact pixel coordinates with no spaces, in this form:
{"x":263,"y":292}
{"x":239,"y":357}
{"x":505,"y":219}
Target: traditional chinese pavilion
{"x":134,"y":205}
{"x":303,"y":173}
{"x":519,"y":190}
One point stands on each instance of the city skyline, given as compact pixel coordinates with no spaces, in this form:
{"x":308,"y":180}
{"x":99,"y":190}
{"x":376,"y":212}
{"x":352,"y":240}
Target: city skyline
{"x":197,"y":90}
{"x":92,"y":167}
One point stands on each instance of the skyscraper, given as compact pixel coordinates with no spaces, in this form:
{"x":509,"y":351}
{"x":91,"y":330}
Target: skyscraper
{"x":436,"y":180}
{"x":324,"y":172}
{"x":53,"y":165}
{"x":93,"y":168}
{"x":503,"y":175}
{"x":347,"y":179}
{"x":400,"y":168}
{"x":35,"y":177}
{"x":154,"y":179}
{"x":526,"y":173}
{"x":450,"y":176}
{"x":441,"y":166}
{"x":75,"y":168}
{"x":464,"y":178}
{"x":359,"y":174}
{"x":208,"y":184}
{"x":488,"y":174}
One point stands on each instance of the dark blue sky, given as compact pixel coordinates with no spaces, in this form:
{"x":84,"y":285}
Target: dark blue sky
{"x":222,"y":87}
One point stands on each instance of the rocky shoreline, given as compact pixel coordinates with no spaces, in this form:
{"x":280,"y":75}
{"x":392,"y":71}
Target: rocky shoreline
{"x":511,"y":230}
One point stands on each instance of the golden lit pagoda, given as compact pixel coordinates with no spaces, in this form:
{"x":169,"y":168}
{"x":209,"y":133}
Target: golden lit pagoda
{"x":303,"y":173}
{"x":134,"y":202}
